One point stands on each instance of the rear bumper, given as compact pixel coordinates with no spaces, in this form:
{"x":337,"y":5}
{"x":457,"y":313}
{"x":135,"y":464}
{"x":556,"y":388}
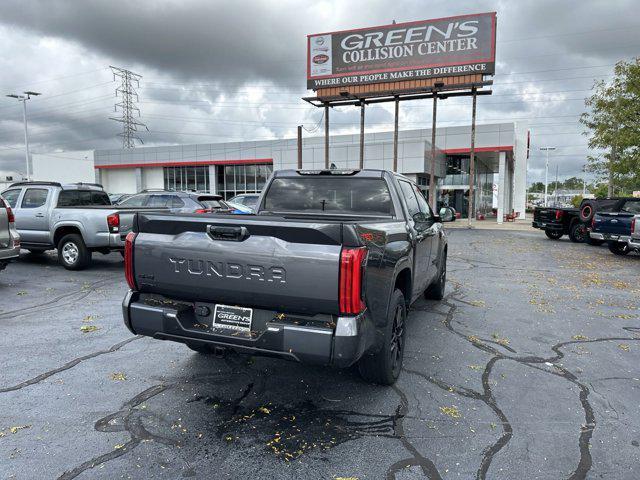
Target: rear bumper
{"x":609,"y":238}
{"x":8,"y":254}
{"x":547,"y":225}
{"x":339,"y":343}
{"x":634,"y":243}
{"x":116,"y":241}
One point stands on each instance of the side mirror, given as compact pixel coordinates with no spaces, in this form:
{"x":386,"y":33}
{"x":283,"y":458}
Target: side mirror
{"x":447,"y":215}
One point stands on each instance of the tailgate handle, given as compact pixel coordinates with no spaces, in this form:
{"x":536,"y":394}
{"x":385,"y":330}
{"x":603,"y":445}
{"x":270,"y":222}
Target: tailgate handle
{"x":233,"y":234}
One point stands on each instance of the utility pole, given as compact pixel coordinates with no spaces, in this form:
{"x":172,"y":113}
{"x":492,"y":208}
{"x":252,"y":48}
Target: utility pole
{"x":556,"y":189}
{"x":432,"y":167}
{"x":584,"y":180}
{"x":127,"y":91}
{"x":23,"y":98}
{"x":299,"y":147}
{"x":546,"y":173}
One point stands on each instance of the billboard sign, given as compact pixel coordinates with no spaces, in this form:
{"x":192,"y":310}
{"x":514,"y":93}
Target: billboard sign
{"x":463,"y":45}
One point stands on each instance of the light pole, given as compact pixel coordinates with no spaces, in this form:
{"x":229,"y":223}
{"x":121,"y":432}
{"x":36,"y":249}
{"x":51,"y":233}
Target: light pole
{"x":546,"y":173}
{"x":23,"y":98}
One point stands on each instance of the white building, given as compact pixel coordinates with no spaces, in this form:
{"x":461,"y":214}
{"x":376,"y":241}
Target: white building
{"x":238,"y":167}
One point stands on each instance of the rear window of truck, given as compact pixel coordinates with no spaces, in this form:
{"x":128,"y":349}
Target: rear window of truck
{"x":82,"y":198}
{"x":338,"y":195}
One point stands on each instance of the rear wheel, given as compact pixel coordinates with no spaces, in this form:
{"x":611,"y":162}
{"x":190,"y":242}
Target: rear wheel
{"x":618,"y":248}
{"x":553,"y":234}
{"x":593,"y":241}
{"x":383,"y":367}
{"x":73,"y":254}
{"x":578,"y":233}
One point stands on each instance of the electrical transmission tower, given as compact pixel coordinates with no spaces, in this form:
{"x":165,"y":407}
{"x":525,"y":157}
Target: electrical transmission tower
{"x":127,"y":106}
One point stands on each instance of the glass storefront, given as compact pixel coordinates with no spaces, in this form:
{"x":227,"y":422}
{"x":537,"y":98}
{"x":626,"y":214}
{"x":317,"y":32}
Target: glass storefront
{"x":453,"y":190}
{"x":193,"y":178}
{"x":236,"y":179}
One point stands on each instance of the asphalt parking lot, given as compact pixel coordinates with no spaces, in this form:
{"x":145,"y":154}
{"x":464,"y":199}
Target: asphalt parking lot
{"x":530,"y":368}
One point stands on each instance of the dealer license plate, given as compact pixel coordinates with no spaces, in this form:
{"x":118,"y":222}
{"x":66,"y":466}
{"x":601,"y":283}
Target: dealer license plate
{"x":233,"y":318}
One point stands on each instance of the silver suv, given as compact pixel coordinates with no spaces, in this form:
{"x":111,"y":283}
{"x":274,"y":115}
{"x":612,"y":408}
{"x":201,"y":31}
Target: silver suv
{"x":9,"y":238}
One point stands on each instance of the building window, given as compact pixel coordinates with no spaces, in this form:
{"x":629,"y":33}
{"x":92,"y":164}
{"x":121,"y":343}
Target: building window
{"x":236,"y":179}
{"x":187,"y":178}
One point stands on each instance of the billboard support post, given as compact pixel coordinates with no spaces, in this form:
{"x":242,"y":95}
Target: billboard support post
{"x":395,"y":135}
{"x":361,"y":135}
{"x":299,"y":147}
{"x":432,"y":167}
{"x":326,"y":136}
{"x":472,"y":160}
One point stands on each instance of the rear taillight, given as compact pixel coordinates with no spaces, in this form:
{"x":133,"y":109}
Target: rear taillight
{"x":350,"y":290}
{"x":559,"y":214}
{"x":203,"y":210}
{"x":113,"y":221}
{"x":593,"y":222}
{"x":128,"y":260}
{"x":10,"y":215}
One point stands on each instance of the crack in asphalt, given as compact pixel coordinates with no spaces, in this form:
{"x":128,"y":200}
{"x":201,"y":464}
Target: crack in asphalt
{"x":68,"y":365}
{"x":84,"y":292}
{"x":586,"y":431}
{"x":127,"y":419}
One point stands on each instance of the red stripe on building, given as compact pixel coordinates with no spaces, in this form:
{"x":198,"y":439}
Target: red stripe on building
{"x":502,"y":148}
{"x":252,"y":161}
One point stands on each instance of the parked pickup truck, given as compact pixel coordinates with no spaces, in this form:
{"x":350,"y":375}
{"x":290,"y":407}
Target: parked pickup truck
{"x":322,"y":274}
{"x":9,"y":238}
{"x":614,"y":225}
{"x":634,"y":241}
{"x":77,"y":219}
{"x":574,"y":222}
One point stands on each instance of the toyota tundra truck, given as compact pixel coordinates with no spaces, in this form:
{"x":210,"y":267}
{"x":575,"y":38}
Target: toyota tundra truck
{"x":323,"y":273}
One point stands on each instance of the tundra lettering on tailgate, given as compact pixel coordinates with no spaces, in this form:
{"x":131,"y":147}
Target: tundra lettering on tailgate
{"x":210,"y":268}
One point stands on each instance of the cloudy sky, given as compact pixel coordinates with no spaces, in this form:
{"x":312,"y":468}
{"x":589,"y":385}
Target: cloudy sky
{"x":215,"y":71}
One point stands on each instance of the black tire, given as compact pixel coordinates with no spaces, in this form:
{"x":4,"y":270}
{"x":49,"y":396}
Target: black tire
{"x":383,"y":367}
{"x":587,"y":211}
{"x":594,"y":242}
{"x":200,"y":348}
{"x":578,"y":233}
{"x":73,"y":254}
{"x":435,"y":291}
{"x":619,"y":248}
{"x":553,"y":234}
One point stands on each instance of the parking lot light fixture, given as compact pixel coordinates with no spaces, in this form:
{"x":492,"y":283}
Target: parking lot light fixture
{"x":23,"y":98}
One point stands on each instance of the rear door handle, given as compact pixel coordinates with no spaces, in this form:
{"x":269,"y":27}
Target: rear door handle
{"x":232,"y":234}
{"x":40,"y":215}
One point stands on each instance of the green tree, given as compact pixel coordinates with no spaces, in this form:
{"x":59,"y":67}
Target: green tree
{"x":613,"y":126}
{"x":576,"y":201}
{"x":572,"y":183}
{"x":537,"y":187}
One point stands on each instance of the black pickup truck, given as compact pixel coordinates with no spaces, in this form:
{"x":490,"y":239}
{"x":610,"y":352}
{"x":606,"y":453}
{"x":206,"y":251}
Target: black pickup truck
{"x":323,"y":273}
{"x":574,"y":222}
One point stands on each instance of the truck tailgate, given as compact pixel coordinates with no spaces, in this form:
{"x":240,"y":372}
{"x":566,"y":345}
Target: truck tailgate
{"x":252,"y":261}
{"x":613,"y":223}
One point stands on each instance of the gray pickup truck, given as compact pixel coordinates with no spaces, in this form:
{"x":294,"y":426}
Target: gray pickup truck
{"x":9,"y":237}
{"x":634,"y":240}
{"x":323,"y":273}
{"x":77,"y":219}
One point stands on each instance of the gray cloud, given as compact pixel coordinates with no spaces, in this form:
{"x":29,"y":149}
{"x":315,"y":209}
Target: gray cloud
{"x":214,"y":71}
